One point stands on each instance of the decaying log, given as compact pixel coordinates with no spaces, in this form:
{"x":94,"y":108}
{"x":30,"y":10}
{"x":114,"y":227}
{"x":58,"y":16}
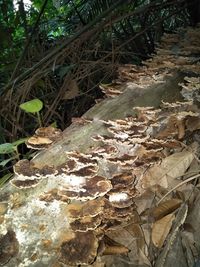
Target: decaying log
{"x":33,"y":232}
{"x":78,"y":137}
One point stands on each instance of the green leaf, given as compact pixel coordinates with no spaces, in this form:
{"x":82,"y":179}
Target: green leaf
{"x":5,"y":178}
{"x":32,"y":106}
{"x":6,"y":148}
{"x":4,"y":162}
{"x":20,"y":141}
{"x":54,"y":124}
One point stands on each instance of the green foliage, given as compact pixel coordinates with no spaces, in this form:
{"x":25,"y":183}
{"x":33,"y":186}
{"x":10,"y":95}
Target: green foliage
{"x":11,"y":149}
{"x":19,"y":142}
{"x":32,"y":106}
{"x":64,"y":18}
{"x":6,"y":148}
{"x":5,"y":178}
{"x":4,"y":162}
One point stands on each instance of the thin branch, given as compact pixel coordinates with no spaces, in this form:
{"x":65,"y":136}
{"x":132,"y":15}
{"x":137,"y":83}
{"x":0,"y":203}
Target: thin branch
{"x":23,"y":54}
{"x":50,"y":56}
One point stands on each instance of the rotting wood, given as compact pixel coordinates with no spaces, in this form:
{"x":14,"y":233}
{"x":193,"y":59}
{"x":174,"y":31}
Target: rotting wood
{"x":75,"y":137}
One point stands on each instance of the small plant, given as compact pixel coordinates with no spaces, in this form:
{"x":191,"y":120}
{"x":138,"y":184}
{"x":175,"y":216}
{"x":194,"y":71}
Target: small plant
{"x":5,"y":178}
{"x":11,"y":149}
{"x":33,"y":106}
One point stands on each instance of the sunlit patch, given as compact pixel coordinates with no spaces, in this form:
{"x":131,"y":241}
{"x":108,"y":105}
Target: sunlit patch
{"x":27,"y":4}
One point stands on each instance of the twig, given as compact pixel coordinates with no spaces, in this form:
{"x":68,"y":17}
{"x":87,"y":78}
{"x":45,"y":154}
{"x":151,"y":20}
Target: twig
{"x":178,"y":185}
{"x":50,"y":57}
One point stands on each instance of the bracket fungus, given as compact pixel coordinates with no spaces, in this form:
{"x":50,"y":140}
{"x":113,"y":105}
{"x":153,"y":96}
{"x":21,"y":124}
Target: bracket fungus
{"x":90,"y":193}
{"x":86,"y":223}
{"x":28,"y":175}
{"x":9,"y":247}
{"x":79,"y":248}
{"x":43,"y":137}
{"x":96,"y":186}
{"x":90,"y":208}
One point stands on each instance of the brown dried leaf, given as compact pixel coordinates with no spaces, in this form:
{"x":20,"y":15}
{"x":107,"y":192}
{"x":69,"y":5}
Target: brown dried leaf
{"x":161,"y":229}
{"x":171,"y":168}
{"x":132,"y":237}
{"x":72,"y":90}
{"x":165,"y":208}
{"x":112,"y":247}
{"x":170,"y":246}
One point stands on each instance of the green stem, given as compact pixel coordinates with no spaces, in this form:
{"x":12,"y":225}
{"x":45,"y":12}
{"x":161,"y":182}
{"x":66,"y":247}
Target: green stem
{"x":39,"y":119}
{"x":17,"y":152}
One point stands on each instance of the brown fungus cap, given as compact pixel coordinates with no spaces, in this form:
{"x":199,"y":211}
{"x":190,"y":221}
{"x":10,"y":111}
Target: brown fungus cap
{"x":104,"y":151}
{"x":87,"y":171}
{"x":43,"y":137}
{"x":38,"y":143}
{"x":122,"y":179}
{"x":130,"y":190}
{"x":27,"y":170}
{"x":81,"y":158}
{"x":93,"y":187}
{"x":49,"y":196}
{"x":123,"y":160}
{"x":28,"y":175}
{"x":9,"y":247}
{"x":118,"y":214}
{"x":66,"y":167}
{"x":90,"y":208}
{"x":86,"y":223}
{"x":49,"y":131}
{"x":79,"y":248}
{"x":25,"y":183}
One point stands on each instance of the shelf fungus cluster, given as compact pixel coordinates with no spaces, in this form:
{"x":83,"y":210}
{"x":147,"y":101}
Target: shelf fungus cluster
{"x":43,"y":137}
{"x":69,"y":208}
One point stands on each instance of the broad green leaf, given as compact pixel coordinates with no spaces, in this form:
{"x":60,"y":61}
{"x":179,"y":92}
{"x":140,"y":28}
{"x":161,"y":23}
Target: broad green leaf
{"x":20,"y":141}
{"x":32,"y":106}
{"x":5,"y":178}
{"x":6,"y":148}
{"x":4,"y":162}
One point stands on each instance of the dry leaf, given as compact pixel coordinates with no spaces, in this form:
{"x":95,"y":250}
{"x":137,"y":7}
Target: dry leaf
{"x":171,"y":168}
{"x":144,"y":202}
{"x":72,"y":90}
{"x":165,"y":208}
{"x":112,"y":247}
{"x":132,"y":237}
{"x":161,"y":229}
{"x":170,"y":246}
{"x":143,"y":260}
